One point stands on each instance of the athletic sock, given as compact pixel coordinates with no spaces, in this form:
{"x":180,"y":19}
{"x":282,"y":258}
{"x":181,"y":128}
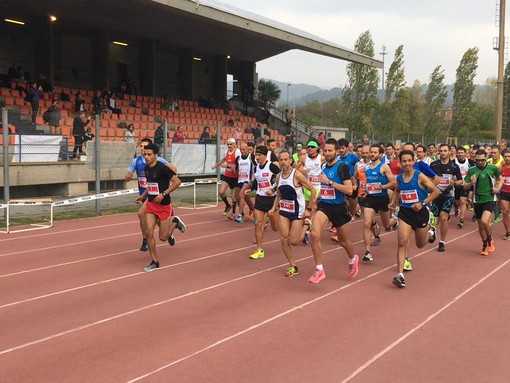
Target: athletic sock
{"x":234,"y":204}
{"x":319,"y":267}
{"x":224,"y":199}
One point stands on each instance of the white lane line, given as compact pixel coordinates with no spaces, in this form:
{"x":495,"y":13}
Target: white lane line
{"x":107,"y":255}
{"x":369,"y":362}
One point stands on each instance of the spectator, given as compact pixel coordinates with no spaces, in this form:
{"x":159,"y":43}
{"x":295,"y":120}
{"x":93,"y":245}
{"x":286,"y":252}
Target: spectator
{"x":179,"y":136}
{"x":237,"y":134}
{"x":79,"y":133}
{"x":79,"y":103}
{"x":129,"y":134}
{"x":89,"y":136}
{"x":132,"y":87}
{"x":159,"y":134}
{"x":97,"y":103}
{"x":321,"y":139}
{"x":52,"y":117}
{"x":112,"y":105}
{"x":33,"y":95}
{"x":205,"y":136}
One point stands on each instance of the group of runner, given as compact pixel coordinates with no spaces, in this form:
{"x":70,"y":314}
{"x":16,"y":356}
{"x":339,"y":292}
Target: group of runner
{"x":411,"y":187}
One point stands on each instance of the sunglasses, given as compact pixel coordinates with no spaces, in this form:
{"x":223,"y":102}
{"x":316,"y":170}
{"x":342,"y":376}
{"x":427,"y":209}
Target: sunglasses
{"x":312,"y":147}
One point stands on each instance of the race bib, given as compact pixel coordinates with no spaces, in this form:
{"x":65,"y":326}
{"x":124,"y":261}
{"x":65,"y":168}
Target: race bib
{"x":152,"y":188}
{"x":264,"y":185}
{"x":327,"y":192}
{"x":142,"y":182}
{"x":313,"y":179}
{"x":374,"y":188}
{"x":409,"y":196}
{"x":463,"y":172}
{"x":445,"y":179}
{"x":287,"y":205}
{"x":506,"y":181}
{"x":243,"y":177}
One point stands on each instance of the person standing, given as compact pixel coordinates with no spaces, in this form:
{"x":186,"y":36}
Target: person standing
{"x":52,"y":116}
{"x":33,"y":97}
{"x":412,"y":189}
{"x":79,"y":124}
{"x":294,"y":211}
{"x":161,"y":181}
{"x":336,"y":183}
{"x":486,"y":181}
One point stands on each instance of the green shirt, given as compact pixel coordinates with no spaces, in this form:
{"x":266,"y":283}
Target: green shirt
{"x":485,"y":182}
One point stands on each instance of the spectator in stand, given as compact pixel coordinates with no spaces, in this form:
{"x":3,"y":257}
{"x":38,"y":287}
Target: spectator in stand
{"x":288,"y":119}
{"x":132,"y":87}
{"x":79,"y":124}
{"x":97,"y":100}
{"x":122,"y":89}
{"x":321,"y":139}
{"x":89,"y":136}
{"x":79,"y":103}
{"x":129,"y":134}
{"x":167,"y":102}
{"x":112,"y":105}
{"x":202,"y":101}
{"x":52,"y":116}
{"x":159,"y":135}
{"x":205,"y":136}
{"x":237,"y":134}
{"x":33,"y":95}
{"x":179,"y":136}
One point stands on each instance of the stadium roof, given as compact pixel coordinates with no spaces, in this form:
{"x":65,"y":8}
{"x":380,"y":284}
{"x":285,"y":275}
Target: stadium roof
{"x":206,"y":25}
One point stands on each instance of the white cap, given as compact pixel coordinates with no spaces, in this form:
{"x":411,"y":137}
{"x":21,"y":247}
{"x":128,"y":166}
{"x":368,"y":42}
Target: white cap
{"x":231,"y":141}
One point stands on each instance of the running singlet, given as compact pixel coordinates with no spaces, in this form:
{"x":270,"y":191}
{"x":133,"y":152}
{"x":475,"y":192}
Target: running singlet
{"x":375,"y":180}
{"x":244,"y":169}
{"x":292,"y":200}
{"x":463,"y":166}
{"x":411,"y":192}
{"x":505,"y":173}
{"x":230,"y":160}
{"x":314,"y":166}
{"x":138,"y":165}
{"x":158,"y":180}
{"x":265,"y":179}
{"x":485,"y":181}
{"x":446,"y":173}
{"x":350,"y":159}
{"x":338,"y":172}
{"x":362,"y":178}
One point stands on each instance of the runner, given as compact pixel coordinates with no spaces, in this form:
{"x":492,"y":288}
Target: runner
{"x":229,"y":177}
{"x":413,"y":215}
{"x":291,"y":203}
{"x":505,"y":193}
{"x":449,"y":177}
{"x":461,"y":194}
{"x":345,"y":155}
{"x":487,"y":182}
{"x":137,"y":166}
{"x":161,"y":181}
{"x":335,"y":184}
{"x":378,"y":180}
{"x":265,"y":175}
{"x":244,"y":165}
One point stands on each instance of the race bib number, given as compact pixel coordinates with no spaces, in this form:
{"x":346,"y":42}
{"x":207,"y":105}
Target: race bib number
{"x":327,"y":192}
{"x":409,"y":196}
{"x":287,"y":205}
{"x":506,"y":181}
{"x":362,"y":185}
{"x":463,"y":172}
{"x":264,"y":185}
{"x":313,"y":179}
{"x":445,"y":179}
{"x":374,"y":188}
{"x":243,"y":177}
{"x":152,"y":188}
{"x":142,"y":182}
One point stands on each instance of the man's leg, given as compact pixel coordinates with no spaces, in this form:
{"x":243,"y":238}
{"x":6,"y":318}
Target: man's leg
{"x":368,"y":215}
{"x":141,"y":219}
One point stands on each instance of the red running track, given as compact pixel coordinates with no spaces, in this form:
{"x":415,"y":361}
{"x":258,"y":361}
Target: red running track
{"x":75,"y":306}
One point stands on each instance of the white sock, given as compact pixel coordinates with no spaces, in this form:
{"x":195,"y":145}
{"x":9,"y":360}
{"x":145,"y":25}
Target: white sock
{"x":319,"y":267}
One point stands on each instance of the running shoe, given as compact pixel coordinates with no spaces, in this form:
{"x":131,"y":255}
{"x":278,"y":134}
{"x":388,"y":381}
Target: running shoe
{"x":358,"y":213}
{"x":179,"y":224}
{"x":143,"y":246}
{"x":151,"y":267}
{"x":353,"y":267}
{"x":507,"y":237}
{"x":239,"y":219}
{"x":317,"y":276}
{"x":460,"y":224}
{"x":432,"y":219}
{"x":306,"y":238}
{"x":394,"y":226}
{"x":352,"y":218}
{"x":441,"y":248}
{"x":367,"y":257}
{"x":432,"y":231}
{"x":484,"y":249}
{"x":257,"y":254}
{"x":407,"y":265}
{"x":399,"y":281}
{"x":171,"y":240}
{"x":473,"y":218}
{"x":375,"y":229}
{"x":376,"y":241}
{"x":291,"y":271}
{"x":231,"y":216}
{"x":250,"y":216}
{"x":334,"y":238}
{"x":227,"y":209}
{"x":496,"y":219}
{"x":308,"y":223}
{"x":490,"y":246}
{"x":470,"y":205}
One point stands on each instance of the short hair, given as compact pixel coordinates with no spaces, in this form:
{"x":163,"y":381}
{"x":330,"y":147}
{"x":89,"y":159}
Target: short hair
{"x":479,"y":152}
{"x":269,"y":141}
{"x":431,"y":144}
{"x":332,"y":141}
{"x":421,"y":146}
{"x":342,"y":142}
{"x":495,"y":146}
{"x":378,"y":147}
{"x":147,"y":139}
{"x":404,"y":152}
{"x":410,"y":144}
{"x":284,"y":151}
{"x":389,"y":144}
{"x":452,"y":146}
{"x":152,"y":147}
{"x":260,"y":141}
{"x":461,"y":148}
{"x":443,"y":145}
{"x":251,"y":144}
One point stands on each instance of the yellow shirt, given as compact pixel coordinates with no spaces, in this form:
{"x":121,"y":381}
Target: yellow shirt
{"x":498,"y":163}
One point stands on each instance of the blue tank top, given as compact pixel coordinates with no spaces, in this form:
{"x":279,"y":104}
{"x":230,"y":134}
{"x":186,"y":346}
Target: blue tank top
{"x":374,"y":180}
{"x":328,"y":194}
{"x":411,"y":192}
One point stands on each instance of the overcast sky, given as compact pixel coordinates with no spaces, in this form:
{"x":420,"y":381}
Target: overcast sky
{"x":433,"y":32}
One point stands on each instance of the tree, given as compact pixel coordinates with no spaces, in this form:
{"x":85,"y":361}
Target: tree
{"x":395,"y":79}
{"x":435,"y":98}
{"x":359,"y":96}
{"x":463,"y":89}
{"x":268,"y":91}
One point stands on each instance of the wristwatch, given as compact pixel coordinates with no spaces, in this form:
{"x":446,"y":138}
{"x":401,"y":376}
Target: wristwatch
{"x":164,"y":194}
{"x":330,"y":183}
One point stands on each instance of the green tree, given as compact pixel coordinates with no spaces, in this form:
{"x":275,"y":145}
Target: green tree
{"x":268,"y":91}
{"x":435,"y":99}
{"x":395,"y":78}
{"x":484,"y":109}
{"x":359,"y":97}
{"x":463,"y":89}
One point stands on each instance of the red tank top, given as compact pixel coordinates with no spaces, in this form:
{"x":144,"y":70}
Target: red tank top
{"x":505,"y":173}
{"x":230,"y":159}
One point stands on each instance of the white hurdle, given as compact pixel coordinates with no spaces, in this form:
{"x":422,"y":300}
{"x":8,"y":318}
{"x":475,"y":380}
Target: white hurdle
{"x":202,"y":181}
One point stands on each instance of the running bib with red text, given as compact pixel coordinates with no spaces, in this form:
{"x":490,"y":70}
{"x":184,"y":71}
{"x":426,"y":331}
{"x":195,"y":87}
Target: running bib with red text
{"x":327,"y":192}
{"x":409,"y":196}
{"x":287,"y":205}
{"x":152,"y":188}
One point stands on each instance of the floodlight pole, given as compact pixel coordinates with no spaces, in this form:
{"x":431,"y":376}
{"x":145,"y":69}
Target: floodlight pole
{"x":288,"y":86}
{"x":383,"y":53}
{"x":501,"y":64}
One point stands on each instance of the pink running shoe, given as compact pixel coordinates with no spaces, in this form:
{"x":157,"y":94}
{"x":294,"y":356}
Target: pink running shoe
{"x":317,"y":276}
{"x":353,"y":268}
{"x":231,"y":216}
